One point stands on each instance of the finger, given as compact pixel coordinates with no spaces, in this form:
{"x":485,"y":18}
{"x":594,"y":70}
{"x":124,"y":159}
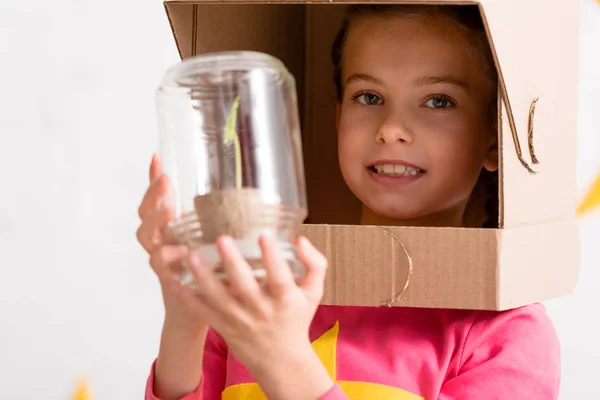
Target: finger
{"x":165,"y":259}
{"x":316,"y":268}
{"x":193,"y":305}
{"x":151,"y":232}
{"x":153,"y":198}
{"x":279,"y":275}
{"x":187,"y":297}
{"x":241,"y":279}
{"x":155,"y":167}
{"x":210,"y":287}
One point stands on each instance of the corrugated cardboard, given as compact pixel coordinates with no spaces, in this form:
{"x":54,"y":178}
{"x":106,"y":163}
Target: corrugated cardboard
{"x":532,"y":256}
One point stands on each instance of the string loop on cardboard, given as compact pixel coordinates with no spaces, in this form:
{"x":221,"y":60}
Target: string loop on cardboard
{"x":530,"y":131}
{"x":515,"y":136}
{"x":398,"y":297}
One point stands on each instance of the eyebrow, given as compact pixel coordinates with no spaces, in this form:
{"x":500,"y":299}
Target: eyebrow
{"x":363,"y":77}
{"x":432,"y":80}
{"x":421,"y":81}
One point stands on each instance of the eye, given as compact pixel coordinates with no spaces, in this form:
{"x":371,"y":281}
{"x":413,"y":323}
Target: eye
{"x":439,"y":102}
{"x":367,"y":99}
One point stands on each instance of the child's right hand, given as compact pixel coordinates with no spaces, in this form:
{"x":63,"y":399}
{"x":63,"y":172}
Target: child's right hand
{"x":166,"y":255}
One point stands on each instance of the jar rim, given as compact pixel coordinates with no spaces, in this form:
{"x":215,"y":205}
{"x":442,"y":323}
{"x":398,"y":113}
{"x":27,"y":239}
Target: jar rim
{"x":218,"y":62}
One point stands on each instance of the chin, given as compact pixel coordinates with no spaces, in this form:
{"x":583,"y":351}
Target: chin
{"x":395,"y":213}
{"x":394,"y":208}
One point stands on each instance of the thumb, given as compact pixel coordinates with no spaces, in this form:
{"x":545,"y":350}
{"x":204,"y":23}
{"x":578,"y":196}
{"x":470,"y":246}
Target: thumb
{"x":316,"y":267}
{"x":156,"y":169}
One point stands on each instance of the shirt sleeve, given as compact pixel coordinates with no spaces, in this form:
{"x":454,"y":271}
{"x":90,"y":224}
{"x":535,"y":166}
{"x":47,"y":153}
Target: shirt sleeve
{"x":511,"y":355}
{"x":214,"y":367}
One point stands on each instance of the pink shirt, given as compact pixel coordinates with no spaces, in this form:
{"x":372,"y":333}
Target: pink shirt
{"x":411,"y":354}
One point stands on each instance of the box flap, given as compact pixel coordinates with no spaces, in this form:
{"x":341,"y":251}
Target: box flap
{"x":536,"y":45}
{"x":429,"y":267}
{"x":369,"y":266}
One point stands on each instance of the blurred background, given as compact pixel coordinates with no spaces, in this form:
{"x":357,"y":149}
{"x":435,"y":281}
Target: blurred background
{"x":77,"y":124}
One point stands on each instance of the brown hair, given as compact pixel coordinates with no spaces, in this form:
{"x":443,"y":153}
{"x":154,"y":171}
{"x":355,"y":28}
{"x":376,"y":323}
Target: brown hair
{"x":466,"y":18}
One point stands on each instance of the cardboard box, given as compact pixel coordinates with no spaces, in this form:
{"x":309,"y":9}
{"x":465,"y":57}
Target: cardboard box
{"x":531,"y":257}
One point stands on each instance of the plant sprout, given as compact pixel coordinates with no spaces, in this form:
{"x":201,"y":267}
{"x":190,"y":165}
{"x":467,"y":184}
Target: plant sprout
{"x":232,"y":137}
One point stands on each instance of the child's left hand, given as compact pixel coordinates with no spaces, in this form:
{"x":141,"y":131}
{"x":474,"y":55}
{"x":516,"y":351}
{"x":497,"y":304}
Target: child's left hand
{"x":266,"y":327}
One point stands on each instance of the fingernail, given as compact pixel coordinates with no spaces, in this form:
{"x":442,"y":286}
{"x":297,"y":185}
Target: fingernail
{"x":302,"y":241}
{"x":306,"y":244}
{"x":267,"y":239}
{"x":227,"y":241}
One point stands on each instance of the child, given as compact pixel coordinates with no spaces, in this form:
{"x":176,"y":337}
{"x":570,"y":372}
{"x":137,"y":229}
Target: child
{"x":417,"y":136}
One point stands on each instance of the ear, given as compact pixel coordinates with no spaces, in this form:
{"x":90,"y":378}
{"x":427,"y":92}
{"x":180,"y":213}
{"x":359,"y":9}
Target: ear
{"x":490,"y":162}
{"x":338,"y":115}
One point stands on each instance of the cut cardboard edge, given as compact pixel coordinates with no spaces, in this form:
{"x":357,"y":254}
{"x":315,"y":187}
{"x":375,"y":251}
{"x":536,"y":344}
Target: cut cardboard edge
{"x":368,"y":265}
{"x":368,"y":268}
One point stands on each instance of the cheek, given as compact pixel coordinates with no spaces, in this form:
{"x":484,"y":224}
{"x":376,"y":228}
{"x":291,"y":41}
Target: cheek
{"x":354,"y":134}
{"x":458,"y":150}
{"x":347,"y":149}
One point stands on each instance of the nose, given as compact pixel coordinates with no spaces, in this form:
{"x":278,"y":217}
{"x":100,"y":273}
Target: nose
{"x":393,"y":129}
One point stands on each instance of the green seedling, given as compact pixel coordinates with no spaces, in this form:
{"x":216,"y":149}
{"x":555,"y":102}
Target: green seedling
{"x":232,"y":137}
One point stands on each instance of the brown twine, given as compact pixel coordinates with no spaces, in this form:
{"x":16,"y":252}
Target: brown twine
{"x":530,"y":130}
{"x":515,"y":136}
{"x":398,"y":297}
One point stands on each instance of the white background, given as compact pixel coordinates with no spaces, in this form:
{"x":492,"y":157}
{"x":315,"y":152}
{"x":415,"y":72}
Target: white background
{"x":77,"y":126}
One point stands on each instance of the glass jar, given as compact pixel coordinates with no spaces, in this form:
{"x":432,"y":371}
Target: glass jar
{"x":229,"y":140}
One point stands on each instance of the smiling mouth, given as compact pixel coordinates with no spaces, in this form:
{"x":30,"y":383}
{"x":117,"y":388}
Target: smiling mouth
{"x":392,"y":170}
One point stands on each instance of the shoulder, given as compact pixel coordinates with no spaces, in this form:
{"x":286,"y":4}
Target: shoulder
{"x":519,"y":347}
{"x":507,"y":355}
{"x":526,"y":330}
{"x":524,"y":325}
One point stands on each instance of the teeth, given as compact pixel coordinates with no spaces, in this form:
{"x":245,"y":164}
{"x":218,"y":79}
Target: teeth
{"x":399,"y":169}
{"x":390,"y":169}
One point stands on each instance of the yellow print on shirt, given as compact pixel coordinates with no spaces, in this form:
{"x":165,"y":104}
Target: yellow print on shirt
{"x":325,"y":347}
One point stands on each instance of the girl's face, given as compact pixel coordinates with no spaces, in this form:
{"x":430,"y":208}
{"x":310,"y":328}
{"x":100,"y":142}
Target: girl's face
{"x":414,"y":128}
